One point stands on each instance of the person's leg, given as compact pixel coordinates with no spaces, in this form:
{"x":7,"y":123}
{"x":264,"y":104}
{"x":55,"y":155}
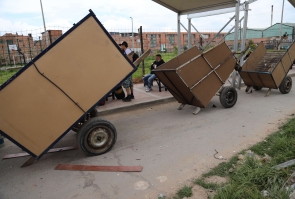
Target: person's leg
{"x":150,"y":82}
{"x":145,"y":79}
{"x":127,"y":84}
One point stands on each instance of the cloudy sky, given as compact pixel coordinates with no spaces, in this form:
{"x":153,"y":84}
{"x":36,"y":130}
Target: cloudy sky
{"x":20,"y":15}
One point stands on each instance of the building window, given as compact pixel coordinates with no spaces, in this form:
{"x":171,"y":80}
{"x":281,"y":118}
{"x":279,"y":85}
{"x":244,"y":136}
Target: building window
{"x":153,"y":42}
{"x":171,"y":39}
{"x":9,"y":42}
{"x":1,"y":41}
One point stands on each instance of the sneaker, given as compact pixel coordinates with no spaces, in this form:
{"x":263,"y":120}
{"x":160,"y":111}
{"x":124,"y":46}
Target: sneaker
{"x":127,"y":99}
{"x":148,"y":89}
{"x":132,"y":96}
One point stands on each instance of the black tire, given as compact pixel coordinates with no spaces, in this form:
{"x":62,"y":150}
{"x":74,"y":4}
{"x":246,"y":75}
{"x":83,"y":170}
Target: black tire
{"x":286,"y":85}
{"x":96,"y":136}
{"x":257,"y":88}
{"x":228,"y":97}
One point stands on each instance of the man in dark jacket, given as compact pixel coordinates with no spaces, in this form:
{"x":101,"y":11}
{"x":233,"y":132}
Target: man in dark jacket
{"x":148,"y":79}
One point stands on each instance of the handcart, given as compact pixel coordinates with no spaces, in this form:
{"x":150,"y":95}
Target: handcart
{"x":268,"y":69}
{"x":194,"y":78}
{"x":59,"y":89}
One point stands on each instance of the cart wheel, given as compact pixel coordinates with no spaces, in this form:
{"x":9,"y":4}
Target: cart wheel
{"x":286,"y":85}
{"x":228,"y":97}
{"x":96,"y":136}
{"x":257,"y":88}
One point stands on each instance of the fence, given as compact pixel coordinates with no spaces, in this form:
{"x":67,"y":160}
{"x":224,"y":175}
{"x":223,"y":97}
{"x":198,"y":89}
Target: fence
{"x":17,"y":49}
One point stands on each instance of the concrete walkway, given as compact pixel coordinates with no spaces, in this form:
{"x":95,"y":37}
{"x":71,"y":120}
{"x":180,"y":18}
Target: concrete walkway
{"x":144,"y":98}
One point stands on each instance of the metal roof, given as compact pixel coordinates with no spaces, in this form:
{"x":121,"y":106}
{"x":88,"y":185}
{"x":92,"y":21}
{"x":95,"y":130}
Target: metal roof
{"x":195,"y":6}
{"x":292,"y":2}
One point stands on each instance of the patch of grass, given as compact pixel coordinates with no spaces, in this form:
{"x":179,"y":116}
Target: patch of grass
{"x":185,"y":191}
{"x":5,"y":75}
{"x":254,"y":177}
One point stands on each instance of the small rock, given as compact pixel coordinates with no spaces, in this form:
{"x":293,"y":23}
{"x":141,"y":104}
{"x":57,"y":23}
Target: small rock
{"x":241,"y":157}
{"x":264,"y":193}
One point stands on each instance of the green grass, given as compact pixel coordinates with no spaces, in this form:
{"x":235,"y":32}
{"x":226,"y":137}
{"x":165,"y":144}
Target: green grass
{"x":5,"y":75}
{"x":185,"y":191}
{"x":148,"y":62}
{"x":253,"y":176}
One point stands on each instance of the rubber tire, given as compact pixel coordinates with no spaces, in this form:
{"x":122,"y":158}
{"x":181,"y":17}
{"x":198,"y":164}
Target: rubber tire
{"x":257,"y":88}
{"x":223,"y":98}
{"x":286,"y":85}
{"x":87,"y":128}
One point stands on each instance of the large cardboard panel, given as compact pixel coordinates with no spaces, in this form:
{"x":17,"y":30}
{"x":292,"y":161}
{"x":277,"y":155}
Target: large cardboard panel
{"x":79,"y":62}
{"x":218,"y":54}
{"x":85,"y":64}
{"x":226,"y":68}
{"x":278,"y":74}
{"x":207,"y":88}
{"x":256,"y":79}
{"x":170,"y":85}
{"x":291,"y":52}
{"x":286,"y":63}
{"x":181,"y":59}
{"x":246,"y":78}
{"x":194,"y":71}
{"x":267,"y":80}
{"x":255,"y":57}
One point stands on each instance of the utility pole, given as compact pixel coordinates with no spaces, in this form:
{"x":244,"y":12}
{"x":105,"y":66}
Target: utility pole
{"x":43,"y":16}
{"x":132,"y":34}
{"x":271,"y":15}
{"x":279,"y":46}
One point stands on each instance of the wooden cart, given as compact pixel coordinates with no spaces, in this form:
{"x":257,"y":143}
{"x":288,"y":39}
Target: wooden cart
{"x":268,"y":69}
{"x":194,"y":78}
{"x":58,"y":91}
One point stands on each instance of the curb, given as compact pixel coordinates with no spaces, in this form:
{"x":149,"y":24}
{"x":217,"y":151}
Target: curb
{"x":135,"y":106}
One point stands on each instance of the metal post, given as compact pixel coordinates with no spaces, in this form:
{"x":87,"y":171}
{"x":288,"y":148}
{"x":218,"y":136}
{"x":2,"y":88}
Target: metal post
{"x":236,"y":39}
{"x":189,"y":44}
{"x":8,"y":52}
{"x":132,"y":34}
{"x":43,"y":16}
{"x":243,"y":45}
{"x":199,"y":34}
{"x":178,"y":33}
{"x":281,"y":25}
{"x":219,"y":32}
{"x":30,"y":48}
{"x":229,"y":31}
{"x":142,"y":51}
{"x":271,"y":15}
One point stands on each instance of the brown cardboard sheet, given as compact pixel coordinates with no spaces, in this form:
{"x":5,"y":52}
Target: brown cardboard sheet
{"x":254,"y":58}
{"x":215,"y":56}
{"x":286,"y":61}
{"x":85,"y":64}
{"x":267,"y":81}
{"x":256,"y":79}
{"x":291,"y":51}
{"x":194,"y":71}
{"x":194,"y":82}
{"x":226,"y":68}
{"x":181,"y":59}
{"x":207,"y":89}
{"x":278,"y":74}
{"x":246,"y":78}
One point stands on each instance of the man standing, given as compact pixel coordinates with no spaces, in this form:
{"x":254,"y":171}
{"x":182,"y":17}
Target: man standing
{"x":127,"y":84}
{"x":148,"y":79}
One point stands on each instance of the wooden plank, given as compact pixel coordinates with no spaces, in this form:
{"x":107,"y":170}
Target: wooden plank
{"x":17,"y":155}
{"x":28,"y":162}
{"x":98,"y":168}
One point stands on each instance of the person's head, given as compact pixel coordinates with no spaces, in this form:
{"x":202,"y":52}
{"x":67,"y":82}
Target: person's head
{"x":123,"y":45}
{"x":158,"y":57}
